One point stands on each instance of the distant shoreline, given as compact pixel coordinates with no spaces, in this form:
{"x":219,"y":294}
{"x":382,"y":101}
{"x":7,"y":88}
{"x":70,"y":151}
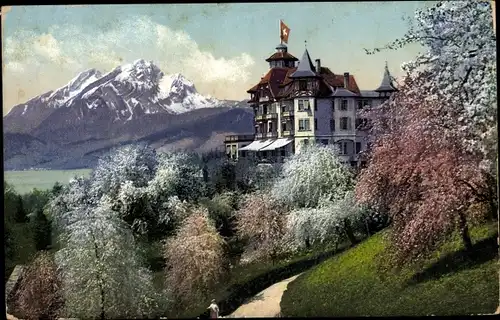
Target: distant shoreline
{"x":44,"y":169}
{"x":24,"y":181}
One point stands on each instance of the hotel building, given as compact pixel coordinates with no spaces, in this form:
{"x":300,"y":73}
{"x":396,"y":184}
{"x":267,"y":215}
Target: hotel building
{"x":295,"y":105}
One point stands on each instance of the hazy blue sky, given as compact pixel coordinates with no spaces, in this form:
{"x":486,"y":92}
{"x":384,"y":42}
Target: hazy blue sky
{"x":222,"y":48}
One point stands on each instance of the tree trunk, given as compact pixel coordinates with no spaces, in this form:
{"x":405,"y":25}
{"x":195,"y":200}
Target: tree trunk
{"x":464,"y":232}
{"x":349,"y":232}
{"x":101,"y":288}
{"x":308,"y":243}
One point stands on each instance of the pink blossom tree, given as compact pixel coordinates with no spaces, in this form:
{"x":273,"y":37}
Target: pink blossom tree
{"x":262,"y":222}
{"x":39,"y":295}
{"x":195,"y":259}
{"x":432,"y":156}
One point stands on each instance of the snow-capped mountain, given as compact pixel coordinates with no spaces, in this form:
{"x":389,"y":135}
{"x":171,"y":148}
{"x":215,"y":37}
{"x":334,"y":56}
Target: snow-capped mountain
{"x":129,"y":103}
{"x":139,"y":85}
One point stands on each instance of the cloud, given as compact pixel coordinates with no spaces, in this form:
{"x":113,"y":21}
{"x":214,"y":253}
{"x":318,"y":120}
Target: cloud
{"x":38,"y":62}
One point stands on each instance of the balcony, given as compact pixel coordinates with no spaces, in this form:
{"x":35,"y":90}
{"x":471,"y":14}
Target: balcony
{"x":287,"y":114}
{"x":288,"y":133}
{"x":260,"y":135}
{"x":263,"y":99}
{"x":239,"y":137}
{"x":267,"y":116}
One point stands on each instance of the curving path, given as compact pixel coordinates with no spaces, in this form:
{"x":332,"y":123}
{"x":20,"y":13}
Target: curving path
{"x":264,"y":304}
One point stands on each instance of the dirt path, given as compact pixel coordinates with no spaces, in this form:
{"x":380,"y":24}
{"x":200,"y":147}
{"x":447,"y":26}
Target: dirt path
{"x":264,"y":304}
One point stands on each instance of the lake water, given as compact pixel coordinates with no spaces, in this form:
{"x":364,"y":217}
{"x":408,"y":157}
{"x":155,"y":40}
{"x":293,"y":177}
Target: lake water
{"x":25,"y":181}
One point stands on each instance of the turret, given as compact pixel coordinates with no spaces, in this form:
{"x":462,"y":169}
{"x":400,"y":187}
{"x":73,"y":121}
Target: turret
{"x":387,"y":87}
{"x":281,"y":58}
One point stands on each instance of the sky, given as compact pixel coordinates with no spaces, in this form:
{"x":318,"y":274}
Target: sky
{"x":220,"y":47}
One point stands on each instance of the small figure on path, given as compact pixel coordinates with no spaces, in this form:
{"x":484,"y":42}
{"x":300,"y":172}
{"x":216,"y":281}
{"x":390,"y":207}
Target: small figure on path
{"x":214,"y":310}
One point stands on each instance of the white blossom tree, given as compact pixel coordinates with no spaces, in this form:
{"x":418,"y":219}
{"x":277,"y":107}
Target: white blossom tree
{"x":102,"y":276}
{"x":459,"y":64}
{"x":177,"y":174}
{"x":308,"y":176}
{"x":331,"y":221}
{"x":135,"y":163}
{"x":74,"y":195}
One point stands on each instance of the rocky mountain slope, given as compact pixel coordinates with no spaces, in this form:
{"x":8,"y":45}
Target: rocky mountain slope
{"x":70,"y":126}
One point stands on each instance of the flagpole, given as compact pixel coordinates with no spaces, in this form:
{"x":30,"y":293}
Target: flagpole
{"x":279,"y":27}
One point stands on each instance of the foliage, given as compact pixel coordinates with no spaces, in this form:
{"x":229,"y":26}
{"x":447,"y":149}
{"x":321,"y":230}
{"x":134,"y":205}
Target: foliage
{"x":310,"y":175}
{"x":101,"y":273}
{"x":18,"y":241}
{"x":331,"y":221}
{"x":136,"y":163}
{"x":177,"y":174}
{"x":352,"y":284}
{"x":195,"y":259}
{"x":262,"y":222}
{"x":73,"y":196}
{"x":459,"y":65}
{"x":145,"y":188}
{"x":39,"y":292}
{"x":220,"y":210}
{"x":42,"y":231}
{"x":429,"y":163}
{"x":36,"y":200}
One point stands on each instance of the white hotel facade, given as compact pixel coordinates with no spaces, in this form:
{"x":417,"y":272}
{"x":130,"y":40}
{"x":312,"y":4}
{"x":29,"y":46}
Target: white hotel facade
{"x":308,"y":103}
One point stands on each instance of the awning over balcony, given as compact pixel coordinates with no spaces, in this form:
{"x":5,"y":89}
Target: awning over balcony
{"x":277,"y":144}
{"x":257,"y":145}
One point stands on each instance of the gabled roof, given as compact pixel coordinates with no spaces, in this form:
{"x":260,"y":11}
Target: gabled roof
{"x":273,"y":78}
{"x":342,"y":92}
{"x":337,"y":80}
{"x":305,"y":68}
{"x":333,"y":80}
{"x":386,"y":84}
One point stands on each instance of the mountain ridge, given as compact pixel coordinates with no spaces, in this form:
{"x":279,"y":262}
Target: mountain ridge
{"x":132,"y":102}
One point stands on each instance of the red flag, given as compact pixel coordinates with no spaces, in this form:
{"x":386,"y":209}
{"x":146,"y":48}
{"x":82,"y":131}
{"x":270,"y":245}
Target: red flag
{"x":284,"y":32}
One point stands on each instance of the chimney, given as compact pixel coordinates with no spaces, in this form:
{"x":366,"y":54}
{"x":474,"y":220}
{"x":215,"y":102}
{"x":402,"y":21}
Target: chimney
{"x":346,"y":80}
{"x":318,"y":65}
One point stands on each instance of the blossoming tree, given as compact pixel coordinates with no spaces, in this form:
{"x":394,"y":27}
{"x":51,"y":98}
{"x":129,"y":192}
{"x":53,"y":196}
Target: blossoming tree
{"x":432,"y":155}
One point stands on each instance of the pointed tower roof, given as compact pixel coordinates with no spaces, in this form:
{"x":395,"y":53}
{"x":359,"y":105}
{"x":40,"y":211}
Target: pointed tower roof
{"x":305,"y":68}
{"x":386,"y":84}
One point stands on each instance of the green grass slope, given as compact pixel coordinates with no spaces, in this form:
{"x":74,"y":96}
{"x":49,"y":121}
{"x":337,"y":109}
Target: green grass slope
{"x":351,"y":284}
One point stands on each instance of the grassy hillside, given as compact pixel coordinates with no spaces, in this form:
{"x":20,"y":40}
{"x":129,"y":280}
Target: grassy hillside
{"x":351,"y":284}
